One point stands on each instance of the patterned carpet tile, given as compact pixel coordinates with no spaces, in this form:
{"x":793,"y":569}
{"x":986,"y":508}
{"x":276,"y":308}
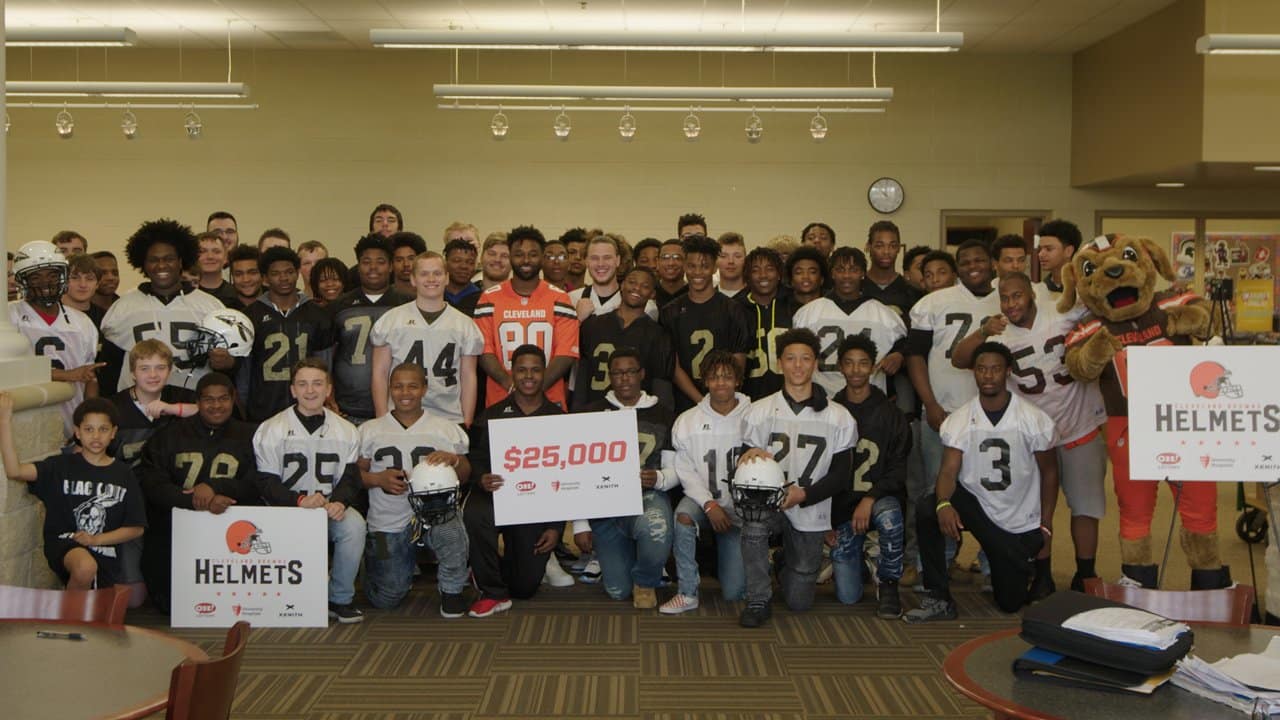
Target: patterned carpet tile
{"x":278,"y":693}
{"x":568,"y":659}
{"x":540,"y":695}
{"x":607,"y":629}
{"x":715,"y":695}
{"x":923,"y":696}
{"x":329,"y":658}
{"x":400,"y":628}
{"x":710,"y":659}
{"x":843,"y":629}
{"x":723,"y":716}
{"x":389,"y":695}
{"x":856,"y":660}
{"x":720,"y":625}
{"x":419,"y":659}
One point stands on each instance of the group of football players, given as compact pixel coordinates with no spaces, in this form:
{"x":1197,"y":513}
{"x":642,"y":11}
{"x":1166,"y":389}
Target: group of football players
{"x":789,"y":400}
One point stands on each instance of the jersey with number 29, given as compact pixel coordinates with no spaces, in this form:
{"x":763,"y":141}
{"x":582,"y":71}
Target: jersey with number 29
{"x":388,"y":445}
{"x":544,"y":318}
{"x":999,"y":466}
{"x":437,"y":347}
{"x":951,"y":314}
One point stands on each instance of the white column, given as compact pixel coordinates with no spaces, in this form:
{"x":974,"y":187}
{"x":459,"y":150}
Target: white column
{"x":18,"y":365}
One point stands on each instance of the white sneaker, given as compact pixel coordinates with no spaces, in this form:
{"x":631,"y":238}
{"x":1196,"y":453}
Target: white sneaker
{"x":679,"y":604}
{"x":591,"y":573}
{"x":555,"y":576}
{"x":581,"y":563}
{"x":824,"y":575}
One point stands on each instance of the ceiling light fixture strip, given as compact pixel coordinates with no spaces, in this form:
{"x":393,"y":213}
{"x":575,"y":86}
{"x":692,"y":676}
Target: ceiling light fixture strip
{"x":49,"y":88}
{"x":661,"y":93}
{"x":70,"y":37}
{"x":1238,"y":44}
{"x":668,"y":41}
{"x":657,"y":108}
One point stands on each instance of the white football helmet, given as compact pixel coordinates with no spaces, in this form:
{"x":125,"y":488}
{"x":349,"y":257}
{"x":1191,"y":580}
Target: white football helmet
{"x":33,"y":257}
{"x":758,"y":489}
{"x":433,"y":493}
{"x":227,"y":329}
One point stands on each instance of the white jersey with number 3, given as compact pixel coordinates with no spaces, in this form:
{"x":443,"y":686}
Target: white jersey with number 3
{"x":832,"y":325}
{"x":1040,"y":374}
{"x":951,"y":314}
{"x":999,"y":466}
{"x":387,"y":445}
{"x":438,"y":347}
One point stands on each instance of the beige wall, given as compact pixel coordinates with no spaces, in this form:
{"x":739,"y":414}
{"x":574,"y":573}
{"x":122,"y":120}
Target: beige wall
{"x":1138,"y":96}
{"x":339,"y":132}
{"x":1240,"y":99}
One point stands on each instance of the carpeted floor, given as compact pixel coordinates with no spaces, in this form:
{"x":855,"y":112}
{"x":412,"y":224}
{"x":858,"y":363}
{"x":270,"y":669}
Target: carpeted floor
{"x":573,"y":653}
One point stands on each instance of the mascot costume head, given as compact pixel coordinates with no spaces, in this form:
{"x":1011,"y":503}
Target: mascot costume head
{"x":1115,"y":278}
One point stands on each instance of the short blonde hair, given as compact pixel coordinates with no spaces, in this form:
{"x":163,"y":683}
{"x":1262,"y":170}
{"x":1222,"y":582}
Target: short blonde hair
{"x":497,"y":237}
{"x":148,"y":349}
{"x":459,"y":226}
{"x":784,"y":244}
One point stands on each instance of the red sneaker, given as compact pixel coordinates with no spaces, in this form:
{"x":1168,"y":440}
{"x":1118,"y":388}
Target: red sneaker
{"x":484,"y":607}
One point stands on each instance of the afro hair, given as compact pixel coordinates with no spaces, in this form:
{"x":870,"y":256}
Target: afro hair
{"x":169,"y":232}
{"x":374,"y":241}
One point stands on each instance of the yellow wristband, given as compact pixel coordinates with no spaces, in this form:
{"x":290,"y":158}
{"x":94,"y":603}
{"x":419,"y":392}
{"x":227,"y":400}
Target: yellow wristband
{"x":939,"y":506}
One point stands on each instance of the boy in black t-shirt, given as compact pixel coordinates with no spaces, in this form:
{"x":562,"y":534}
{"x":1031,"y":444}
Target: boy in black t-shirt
{"x":92,"y":501}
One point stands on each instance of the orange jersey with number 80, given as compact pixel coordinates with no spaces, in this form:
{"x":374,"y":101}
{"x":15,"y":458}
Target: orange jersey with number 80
{"x":546,"y":318}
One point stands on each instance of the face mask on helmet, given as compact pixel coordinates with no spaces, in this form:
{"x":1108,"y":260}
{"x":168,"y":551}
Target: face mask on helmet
{"x":227,"y":329}
{"x":758,"y":489}
{"x":40,"y":272}
{"x":433,"y":494}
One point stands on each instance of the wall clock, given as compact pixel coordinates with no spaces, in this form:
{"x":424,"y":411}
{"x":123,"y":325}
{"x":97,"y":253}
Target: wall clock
{"x":885,"y":195}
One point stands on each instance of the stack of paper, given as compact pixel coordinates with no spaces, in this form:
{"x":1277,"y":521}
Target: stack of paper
{"x":1248,"y":682}
{"x":1128,"y":625}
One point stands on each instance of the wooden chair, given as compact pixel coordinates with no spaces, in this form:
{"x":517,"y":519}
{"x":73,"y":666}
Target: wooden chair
{"x":107,"y":605}
{"x":205,"y":690}
{"x":1232,"y":605}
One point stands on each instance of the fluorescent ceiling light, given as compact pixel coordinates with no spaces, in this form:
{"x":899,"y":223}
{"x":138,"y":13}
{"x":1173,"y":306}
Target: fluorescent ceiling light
{"x":656,"y":93}
{"x":70,"y":37}
{"x":1170,"y":184}
{"x":1266,"y":168}
{"x":656,"y":40}
{"x":1238,"y":44}
{"x":26,"y":88}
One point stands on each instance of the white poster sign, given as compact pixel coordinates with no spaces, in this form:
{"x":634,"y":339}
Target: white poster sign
{"x":565,"y":467}
{"x":267,"y":565}
{"x":1204,"y":413}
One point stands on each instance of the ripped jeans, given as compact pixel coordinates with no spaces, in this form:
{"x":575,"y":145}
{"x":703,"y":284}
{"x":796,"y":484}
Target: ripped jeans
{"x":846,"y":556}
{"x":733,"y":581}
{"x":632,"y":550}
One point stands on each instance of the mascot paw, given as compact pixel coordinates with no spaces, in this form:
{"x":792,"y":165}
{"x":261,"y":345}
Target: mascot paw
{"x":1096,"y":352}
{"x":1191,"y":319}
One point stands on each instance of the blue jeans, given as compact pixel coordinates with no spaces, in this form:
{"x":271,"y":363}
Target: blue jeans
{"x":801,"y":560}
{"x":347,"y":537}
{"x":846,"y":557}
{"x":632,"y":550}
{"x":391,"y":557}
{"x":733,"y":579}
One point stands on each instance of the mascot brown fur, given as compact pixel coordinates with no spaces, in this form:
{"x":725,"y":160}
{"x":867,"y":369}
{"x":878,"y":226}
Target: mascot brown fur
{"x":1115,"y":278}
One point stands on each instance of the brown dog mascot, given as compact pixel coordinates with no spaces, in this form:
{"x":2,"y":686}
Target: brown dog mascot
{"x":1115,"y":277}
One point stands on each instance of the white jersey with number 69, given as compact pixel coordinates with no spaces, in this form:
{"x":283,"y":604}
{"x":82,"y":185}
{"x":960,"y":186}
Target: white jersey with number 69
{"x":999,"y":466}
{"x":951,"y":314}
{"x":437,"y":347}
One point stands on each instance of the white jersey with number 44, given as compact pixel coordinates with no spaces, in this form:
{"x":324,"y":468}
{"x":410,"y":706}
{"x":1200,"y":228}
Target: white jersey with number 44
{"x":999,"y":466}
{"x":437,"y":347}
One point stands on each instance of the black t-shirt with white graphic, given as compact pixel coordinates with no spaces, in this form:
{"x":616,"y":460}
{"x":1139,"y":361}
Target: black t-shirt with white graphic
{"x":80,"y":496}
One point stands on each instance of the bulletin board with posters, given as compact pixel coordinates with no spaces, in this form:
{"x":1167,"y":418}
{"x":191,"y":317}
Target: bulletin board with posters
{"x":1249,"y":259}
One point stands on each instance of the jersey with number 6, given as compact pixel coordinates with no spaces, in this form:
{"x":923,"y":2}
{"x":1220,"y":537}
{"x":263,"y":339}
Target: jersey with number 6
{"x":354,"y":315}
{"x":508,"y":320}
{"x":70,"y":341}
{"x":832,"y":320}
{"x":999,"y":465}
{"x":308,"y":462}
{"x":438,"y":347}
{"x":708,"y":446}
{"x":803,"y":443}
{"x":950,"y":315}
{"x":388,"y":445}
{"x":139,"y":315}
{"x":1040,"y":373}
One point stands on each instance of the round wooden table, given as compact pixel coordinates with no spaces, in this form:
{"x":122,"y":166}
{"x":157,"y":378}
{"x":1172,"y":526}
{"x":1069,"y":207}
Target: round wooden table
{"x":117,"y":671}
{"x":982,"y":669}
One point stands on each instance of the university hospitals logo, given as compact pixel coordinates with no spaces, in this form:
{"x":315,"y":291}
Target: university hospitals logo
{"x":1211,"y":380}
{"x":244,"y":537}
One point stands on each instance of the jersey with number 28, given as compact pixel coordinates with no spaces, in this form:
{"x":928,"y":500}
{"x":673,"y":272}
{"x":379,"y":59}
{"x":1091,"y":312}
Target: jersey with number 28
{"x":999,"y":466}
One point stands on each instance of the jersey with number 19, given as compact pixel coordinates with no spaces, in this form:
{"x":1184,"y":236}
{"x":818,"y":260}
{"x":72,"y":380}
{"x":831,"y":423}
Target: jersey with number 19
{"x":388,"y":445}
{"x":708,"y":446}
{"x":140,"y":315}
{"x":999,"y":466}
{"x":950,"y":315}
{"x":832,"y":320}
{"x":438,"y":347}
{"x":803,"y":443}
{"x":544,"y":318}
{"x":1040,"y":374}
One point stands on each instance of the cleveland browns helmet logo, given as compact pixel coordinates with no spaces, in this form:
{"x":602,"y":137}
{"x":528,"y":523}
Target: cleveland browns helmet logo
{"x":243,"y":537}
{"x":1211,"y":380}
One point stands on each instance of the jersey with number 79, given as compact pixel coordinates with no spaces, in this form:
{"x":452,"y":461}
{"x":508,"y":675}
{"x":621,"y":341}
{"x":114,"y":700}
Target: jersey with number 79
{"x":951,"y":314}
{"x":544,"y":318}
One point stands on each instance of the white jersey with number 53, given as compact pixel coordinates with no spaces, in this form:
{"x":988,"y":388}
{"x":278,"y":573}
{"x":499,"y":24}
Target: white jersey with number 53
{"x":999,"y":466}
{"x":437,"y":347}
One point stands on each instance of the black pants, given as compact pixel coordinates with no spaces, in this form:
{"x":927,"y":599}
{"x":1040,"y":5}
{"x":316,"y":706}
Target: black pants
{"x":517,"y":573}
{"x":1011,"y":555}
